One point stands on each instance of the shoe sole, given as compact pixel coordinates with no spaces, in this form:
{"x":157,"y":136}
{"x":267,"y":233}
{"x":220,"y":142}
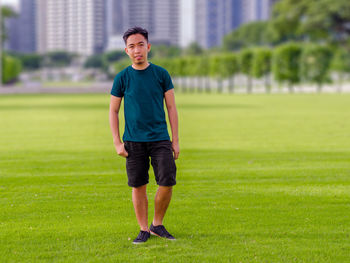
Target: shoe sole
{"x":154,"y":234}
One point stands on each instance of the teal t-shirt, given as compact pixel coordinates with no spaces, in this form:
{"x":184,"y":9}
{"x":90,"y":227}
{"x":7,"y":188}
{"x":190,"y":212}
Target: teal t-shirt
{"x":143,"y":92}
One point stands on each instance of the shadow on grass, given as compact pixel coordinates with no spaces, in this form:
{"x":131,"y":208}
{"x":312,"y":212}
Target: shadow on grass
{"x":233,"y":155}
{"x":70,"y":106}
{"x":203,"y":106}
{"x":105,"y":106}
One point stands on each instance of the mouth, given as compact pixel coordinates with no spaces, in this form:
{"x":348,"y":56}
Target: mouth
{"x":138,"y":57}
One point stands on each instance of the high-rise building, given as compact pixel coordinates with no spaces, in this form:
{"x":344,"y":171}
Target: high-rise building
{"x":72,"y":25}
{"x":116,"y":23}
{"x":159,"y":17}
{"x":22,"y":28}
{"x":216,"y":18}
{"x":213,"y":21}
{"x":236,"y":13}
{"x":187,"y":22}
{"x":27,"y":29}
{"x":12,"y":42}
{"x":254,"y":10}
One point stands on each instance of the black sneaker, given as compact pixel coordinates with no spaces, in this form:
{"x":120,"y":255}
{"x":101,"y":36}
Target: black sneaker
{"x":142,"y":237}
{"x":160,"y":231}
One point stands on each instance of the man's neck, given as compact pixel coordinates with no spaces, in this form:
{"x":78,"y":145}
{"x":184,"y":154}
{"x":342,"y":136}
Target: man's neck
{"x":140,"y":66}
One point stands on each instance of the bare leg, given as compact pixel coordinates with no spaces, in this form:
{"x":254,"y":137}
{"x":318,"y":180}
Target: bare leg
{"x":161,"y":203}
{"x":139,"y":199}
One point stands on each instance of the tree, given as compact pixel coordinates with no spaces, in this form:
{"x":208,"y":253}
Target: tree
{"x":29,"y":61}
{"x":190,"y":70}
{"x":315,"y":64}
{"x":180,"y":65}
{"x":245,"y":65}
{"x":164,"y":51}
{"x":247,"y":35}
{"x":229,"y":68}
{"x":95,"y":61}
{"x":216,"y":70}
{"x":315,"y":20}
{"x":11,"y":67}
{"x":168,"y":64}
{"x":121,"y":64}
{"x":328,"y":18}
{"x":6,"y":12}
{"x":114,"y":55}
{"x":58,"y":59}
{"x":286,"y":64}
{"x":193,"y":49}
{"x":202,"y":69}
{"x":341,"y":64}
{"x":285,"y":20}
{"x":195,"y":60}
{"x":261,"y":65}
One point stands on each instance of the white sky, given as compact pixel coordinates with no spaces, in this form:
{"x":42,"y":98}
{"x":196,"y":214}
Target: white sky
{"x":10,"y":2}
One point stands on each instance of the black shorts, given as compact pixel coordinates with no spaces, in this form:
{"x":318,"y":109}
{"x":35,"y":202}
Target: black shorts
{"x":162,"y":160}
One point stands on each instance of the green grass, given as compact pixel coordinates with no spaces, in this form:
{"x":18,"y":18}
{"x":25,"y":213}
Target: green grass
{"x":261,"y":178}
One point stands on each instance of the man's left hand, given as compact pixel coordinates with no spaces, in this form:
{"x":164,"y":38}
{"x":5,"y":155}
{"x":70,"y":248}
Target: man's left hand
{"x":176,"y":149}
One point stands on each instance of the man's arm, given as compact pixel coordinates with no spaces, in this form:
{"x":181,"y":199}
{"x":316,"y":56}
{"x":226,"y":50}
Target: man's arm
{"x":114,"y":107}
{"x":173,"y":119}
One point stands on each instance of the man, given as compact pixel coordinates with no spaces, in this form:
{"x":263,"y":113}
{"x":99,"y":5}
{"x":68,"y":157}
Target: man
{"x":144,"y":86}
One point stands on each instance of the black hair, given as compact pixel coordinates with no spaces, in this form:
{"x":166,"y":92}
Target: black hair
{"x":135,"y":30}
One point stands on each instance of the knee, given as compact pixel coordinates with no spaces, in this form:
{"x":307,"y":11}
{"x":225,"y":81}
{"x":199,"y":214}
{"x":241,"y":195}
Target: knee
{"x":166,"y":189}
{"x":140,"y":189}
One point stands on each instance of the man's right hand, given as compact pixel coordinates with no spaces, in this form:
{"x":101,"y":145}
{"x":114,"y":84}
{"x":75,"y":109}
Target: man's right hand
{"x":121,"y":150}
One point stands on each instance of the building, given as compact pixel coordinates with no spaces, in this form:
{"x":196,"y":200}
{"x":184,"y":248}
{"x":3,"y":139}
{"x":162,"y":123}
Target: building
{"x":22,"y":28}
{"x":91,"y":26}
{"x":12,"y":42}
{"x":213,"y":21}
{"x":236,"y":12}
{"x":117,"y":21}
{"x":216,"y":18}
{"x":76,"y":26}
{"x":187,"y":22}
{"x":256,"y":10}
{"x":159,"y":17}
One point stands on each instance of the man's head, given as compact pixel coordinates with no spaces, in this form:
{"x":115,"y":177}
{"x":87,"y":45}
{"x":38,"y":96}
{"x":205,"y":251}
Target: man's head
{"x":137,"y":46}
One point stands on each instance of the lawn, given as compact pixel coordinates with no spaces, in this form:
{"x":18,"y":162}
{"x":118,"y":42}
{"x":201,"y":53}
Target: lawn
{"x":261,"y":178}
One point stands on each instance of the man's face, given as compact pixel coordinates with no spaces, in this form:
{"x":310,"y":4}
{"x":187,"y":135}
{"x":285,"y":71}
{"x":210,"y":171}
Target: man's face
{"x":137,"y":48}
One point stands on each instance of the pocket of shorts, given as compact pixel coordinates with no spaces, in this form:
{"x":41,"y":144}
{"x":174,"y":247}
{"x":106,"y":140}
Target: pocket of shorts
{"x":171,"y":145}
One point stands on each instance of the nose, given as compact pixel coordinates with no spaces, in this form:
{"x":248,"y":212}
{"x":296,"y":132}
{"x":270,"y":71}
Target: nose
{"x":137,"y":49}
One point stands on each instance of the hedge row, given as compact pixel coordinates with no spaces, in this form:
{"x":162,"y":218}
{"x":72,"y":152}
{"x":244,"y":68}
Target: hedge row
{"x":290,"y":63}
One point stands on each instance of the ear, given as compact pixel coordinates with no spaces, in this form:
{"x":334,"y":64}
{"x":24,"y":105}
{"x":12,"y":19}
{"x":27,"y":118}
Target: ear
{"x":126,"y":51}
{"x":148,"y":47}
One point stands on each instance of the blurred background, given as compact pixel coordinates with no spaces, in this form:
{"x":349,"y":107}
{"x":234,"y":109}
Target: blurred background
{"x":206,"y":45}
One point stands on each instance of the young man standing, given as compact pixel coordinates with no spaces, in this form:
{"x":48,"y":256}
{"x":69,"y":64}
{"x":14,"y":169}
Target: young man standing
{"x":144,"y":87}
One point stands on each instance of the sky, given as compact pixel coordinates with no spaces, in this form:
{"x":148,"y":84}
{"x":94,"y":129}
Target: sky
{"x":10,"y":2}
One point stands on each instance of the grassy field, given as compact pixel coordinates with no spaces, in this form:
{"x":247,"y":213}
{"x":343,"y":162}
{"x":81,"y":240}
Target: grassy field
{"x":261,"y":178}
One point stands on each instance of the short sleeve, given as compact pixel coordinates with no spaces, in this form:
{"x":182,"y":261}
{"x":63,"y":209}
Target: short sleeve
{"x":167,"y":82}
{"x":118,"y":87}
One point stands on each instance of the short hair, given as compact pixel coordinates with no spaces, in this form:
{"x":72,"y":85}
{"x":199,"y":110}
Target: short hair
{"x":135,"y":30}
